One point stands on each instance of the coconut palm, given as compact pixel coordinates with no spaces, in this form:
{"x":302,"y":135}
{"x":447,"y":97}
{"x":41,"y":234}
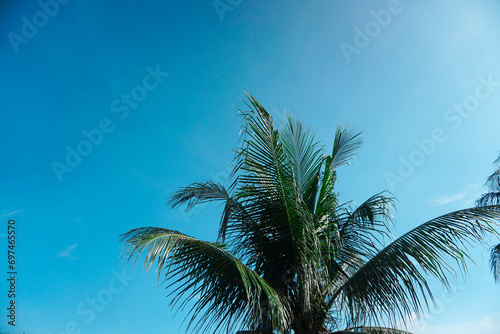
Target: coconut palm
{"x":289,"y":257}
{"x":492,"y":197}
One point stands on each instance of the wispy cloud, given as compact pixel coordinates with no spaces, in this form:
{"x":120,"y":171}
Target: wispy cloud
{"x":449,"y":199}
{"x":67,"y":252}
{"x":9,"y":214}
{"x":140,"y":175}
{"x":469,"y":194}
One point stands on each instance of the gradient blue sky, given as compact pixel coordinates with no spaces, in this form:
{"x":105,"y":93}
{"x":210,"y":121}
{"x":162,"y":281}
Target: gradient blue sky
{"x":403,"y":86}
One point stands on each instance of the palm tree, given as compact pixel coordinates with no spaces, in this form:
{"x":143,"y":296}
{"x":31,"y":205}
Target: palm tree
{"x":492,"y":197}
{"x":289,"y":257}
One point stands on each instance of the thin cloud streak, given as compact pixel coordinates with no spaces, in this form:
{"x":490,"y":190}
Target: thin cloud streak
{"x":67,"y":252}
{"x":469,"y":194}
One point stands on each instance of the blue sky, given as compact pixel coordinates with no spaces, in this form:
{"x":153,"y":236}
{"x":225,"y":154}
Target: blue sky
{"x":148,"y":94}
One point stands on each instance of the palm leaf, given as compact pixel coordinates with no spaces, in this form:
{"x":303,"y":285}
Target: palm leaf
{"x":198,"y":193}
{"x":391,"y":283}
{"x":345,"y":145}
{"x":495,"y":262}
{"x":303,"y":153}
{"x":203,"y":272}
{"x":491,"y":198}
{"x":361,"y":229}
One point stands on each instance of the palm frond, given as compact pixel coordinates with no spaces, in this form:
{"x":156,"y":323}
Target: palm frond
{"x":198,"y":193}
{"x":327,"y":199}
{"x":358,"y":234}
{"x":493,"y":181}
{"x":303,"y":153}
{"x":345,"y":145}
{"x":361,"y":229}
{"x":204,"y":272}
{"x":392,"y":283}
{"x":491,"y":198}
{"x":495,"y":262}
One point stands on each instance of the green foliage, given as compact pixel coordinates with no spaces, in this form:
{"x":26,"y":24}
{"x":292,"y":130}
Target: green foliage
{"x":291,"y":257}
{"x":492,"y":197}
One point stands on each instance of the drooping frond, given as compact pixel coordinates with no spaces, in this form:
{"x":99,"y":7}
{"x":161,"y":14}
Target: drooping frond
{"x":491,"y":198}
{"x":392,"y":283}
{"x":495,"y":262}
{"x":198,"y":193}
{"x":493,"y":181}
{"x":206,"y":274}
{"x":493,"y":185}
{"x":366,"y":227}
{"x":357,"y":235}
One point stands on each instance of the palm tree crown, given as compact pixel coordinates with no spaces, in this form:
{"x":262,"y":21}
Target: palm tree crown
{"x":290,"y":258}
